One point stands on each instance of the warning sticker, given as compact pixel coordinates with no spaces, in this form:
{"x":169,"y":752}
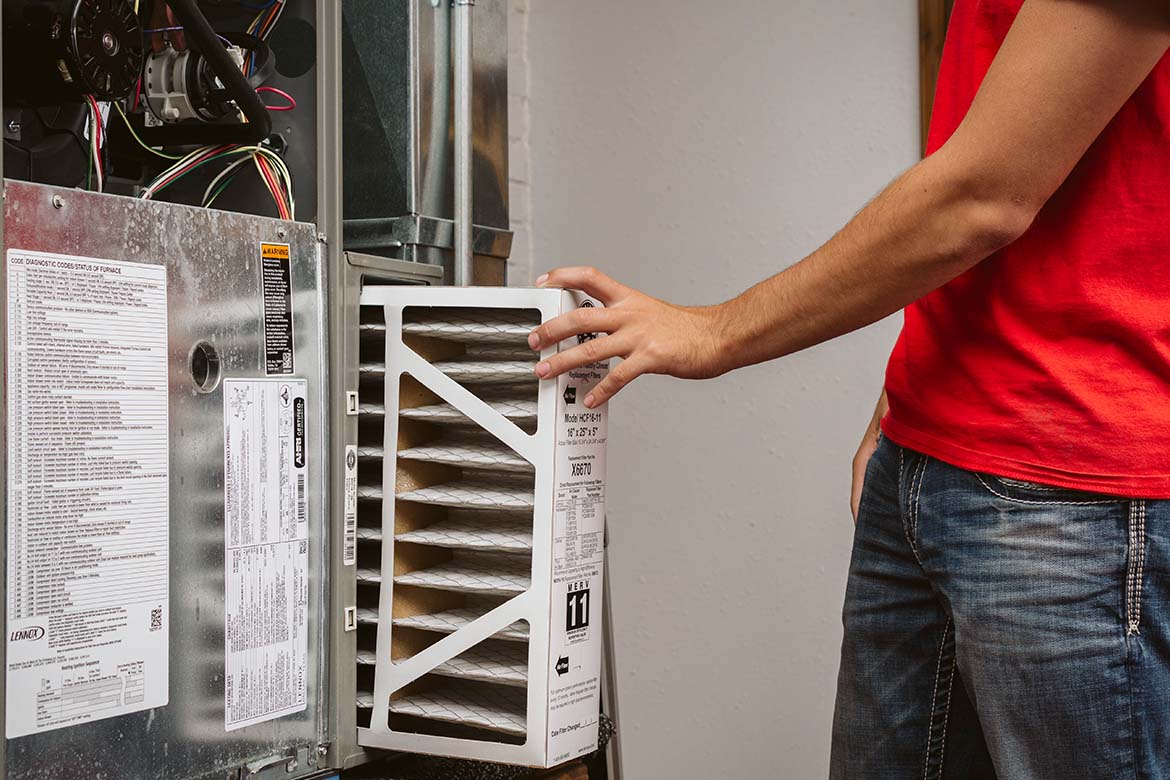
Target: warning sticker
{"x":266,"y":560}
{"x":276,"y":276}
{"x":578,"y":555}
{"x":88,"y":482}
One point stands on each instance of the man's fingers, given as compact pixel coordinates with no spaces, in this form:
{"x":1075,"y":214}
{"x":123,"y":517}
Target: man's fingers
{"x":573,"y":323}
{"x":618,"y":377}
{"x":590,"y":352}
{"x":586,"y":279}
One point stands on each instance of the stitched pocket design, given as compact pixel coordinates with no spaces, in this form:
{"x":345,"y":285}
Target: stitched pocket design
{"x":1024,"y":492}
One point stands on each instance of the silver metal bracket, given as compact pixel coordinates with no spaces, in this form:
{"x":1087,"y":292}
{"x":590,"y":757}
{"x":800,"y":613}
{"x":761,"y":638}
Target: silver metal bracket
{"x":351,"y":618}
{"x":275,"y":765}
{"x":351,"y":402}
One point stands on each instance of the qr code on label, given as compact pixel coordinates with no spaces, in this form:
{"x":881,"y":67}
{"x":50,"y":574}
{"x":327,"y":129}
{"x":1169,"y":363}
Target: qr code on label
{"x":156,"y":619}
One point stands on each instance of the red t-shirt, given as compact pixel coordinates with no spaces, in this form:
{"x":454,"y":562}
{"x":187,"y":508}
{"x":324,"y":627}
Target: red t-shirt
{"x":1050,"y":360}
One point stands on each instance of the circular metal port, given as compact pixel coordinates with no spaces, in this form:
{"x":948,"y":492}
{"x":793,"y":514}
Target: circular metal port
{"x":205,"y":368}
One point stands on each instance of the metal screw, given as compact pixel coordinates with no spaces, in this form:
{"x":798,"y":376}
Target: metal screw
{"x":58,"y":202}
{"x":323,"y":749}
{"x":290,"y":765}
{"x":322,"y":238}
{"x":281,"y":232}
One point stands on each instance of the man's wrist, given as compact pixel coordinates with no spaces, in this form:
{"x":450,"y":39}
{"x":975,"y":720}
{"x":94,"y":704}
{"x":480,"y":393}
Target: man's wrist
{"x":724,"y":335}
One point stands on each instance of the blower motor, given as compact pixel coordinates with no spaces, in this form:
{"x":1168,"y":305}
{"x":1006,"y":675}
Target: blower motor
{"x":67,"y":49}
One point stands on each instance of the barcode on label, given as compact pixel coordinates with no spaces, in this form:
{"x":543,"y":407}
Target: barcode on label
{"x":302,"y":500}
{"x":156,"y":619}
{"x":350,"y":552}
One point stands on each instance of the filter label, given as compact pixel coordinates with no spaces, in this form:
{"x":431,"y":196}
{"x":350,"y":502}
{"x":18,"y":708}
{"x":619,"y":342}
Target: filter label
{"x":88,"y":490}
{"x":266,"y":556}
{"x":578,"y":555}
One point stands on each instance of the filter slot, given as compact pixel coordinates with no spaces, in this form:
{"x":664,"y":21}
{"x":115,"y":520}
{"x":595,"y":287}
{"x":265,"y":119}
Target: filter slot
{"x":467,"y":325}
{"x":495,"y":708}
{"x":466,"y":530}
{"x":469,"y":495}
{"x":522,"y":412}
{"x":450,"y":621}
{"x":494,"y":574}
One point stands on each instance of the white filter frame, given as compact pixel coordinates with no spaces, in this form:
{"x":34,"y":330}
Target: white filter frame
{"x":531,"y":606}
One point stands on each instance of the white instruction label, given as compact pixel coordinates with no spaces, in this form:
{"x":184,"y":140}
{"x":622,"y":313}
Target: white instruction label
{"x":266,"y":560}
{"x":349,"y":553}
{"x":87,"y":490}
{"x":578,"y":555}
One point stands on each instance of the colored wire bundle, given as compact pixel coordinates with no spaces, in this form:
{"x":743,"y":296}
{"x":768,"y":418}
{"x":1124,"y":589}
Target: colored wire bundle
{"x":261,"y":27}
{"x":268,"y":163}
{"x":95,"y":144}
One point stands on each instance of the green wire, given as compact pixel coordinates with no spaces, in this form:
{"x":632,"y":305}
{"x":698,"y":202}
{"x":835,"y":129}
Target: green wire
{"x":223,"y":186}
{"x":199,"y":164}
{"x":140,"y":141}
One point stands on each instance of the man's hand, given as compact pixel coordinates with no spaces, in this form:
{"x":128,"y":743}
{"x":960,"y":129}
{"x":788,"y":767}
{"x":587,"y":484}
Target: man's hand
{"x":653,"y":336}
{"x":865,"y":450}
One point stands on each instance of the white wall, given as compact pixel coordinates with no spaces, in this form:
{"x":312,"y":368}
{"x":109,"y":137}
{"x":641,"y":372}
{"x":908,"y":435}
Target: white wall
{"x":519,"y":145}
{"x":691,"y":148}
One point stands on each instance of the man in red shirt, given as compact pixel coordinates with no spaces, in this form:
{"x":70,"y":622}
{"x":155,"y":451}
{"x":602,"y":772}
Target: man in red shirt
{"x":1008,"y":609}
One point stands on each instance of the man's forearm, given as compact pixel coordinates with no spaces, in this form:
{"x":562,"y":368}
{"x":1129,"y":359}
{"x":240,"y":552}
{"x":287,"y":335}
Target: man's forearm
{"x":1063,"y":72}
{"x":930,"y":225}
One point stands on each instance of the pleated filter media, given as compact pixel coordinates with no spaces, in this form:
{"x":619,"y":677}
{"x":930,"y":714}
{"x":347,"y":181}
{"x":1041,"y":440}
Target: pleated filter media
{"x":478,"y":537}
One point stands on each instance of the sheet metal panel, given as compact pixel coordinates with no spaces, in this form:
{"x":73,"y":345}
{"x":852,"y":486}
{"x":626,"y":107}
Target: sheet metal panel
{"x":214,"y":292}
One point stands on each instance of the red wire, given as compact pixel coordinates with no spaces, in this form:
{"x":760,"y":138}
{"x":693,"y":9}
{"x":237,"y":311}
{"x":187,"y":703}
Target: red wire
{"x":281,"y":209}
{"x":292,"y":103}
{"x":193,"y":164}
{"x":271,"y":15}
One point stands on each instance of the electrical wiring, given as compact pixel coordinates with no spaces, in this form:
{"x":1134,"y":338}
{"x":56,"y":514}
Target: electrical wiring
{"x":270,"y":180}
{"x":95,"y":142}
{"x":289,"y":106}
{"x":272,"y":170}
{"x":222,"y":180}
{"x":261,"y":27}
{"x":185,"y":165}
{"x":142,"y":143}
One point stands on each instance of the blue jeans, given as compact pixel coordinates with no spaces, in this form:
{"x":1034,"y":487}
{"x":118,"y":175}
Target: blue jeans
{"x":1002,"y":629}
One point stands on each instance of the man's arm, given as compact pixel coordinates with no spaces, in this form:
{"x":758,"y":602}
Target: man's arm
{"x":1065,"y":69}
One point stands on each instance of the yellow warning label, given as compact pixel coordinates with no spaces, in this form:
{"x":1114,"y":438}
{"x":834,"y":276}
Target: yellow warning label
{"x":274,"y":251}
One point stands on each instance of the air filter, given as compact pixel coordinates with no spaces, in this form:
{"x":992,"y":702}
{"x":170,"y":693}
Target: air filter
{"x":477,"y":530}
